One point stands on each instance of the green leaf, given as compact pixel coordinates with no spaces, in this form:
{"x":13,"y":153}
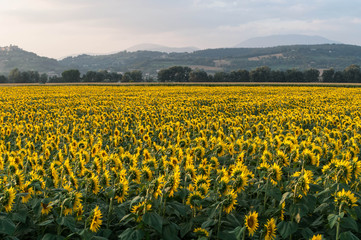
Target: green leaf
{"x":332,"y":219}
{"x":49,"y":236}
{"x":170,"y":232}
{"x":20,"y":215}
{"x":153,"y":220}
{"x":131,"y":234}
{"x":68,"y":222}
{"x":322,"y":207}
{"x":6,"y":226}
{"x":287,"y":228}
{"x":208,"y":223}
{"x":46,"y":222}
{"x":322,"y":192}
{"x":285,"y":196}
{"x":317,"y":222}
{"x":307,"y":233}
{"x":350,"y":223}
{"x":186,"y":228}
{"x":348,"y":236}
{"x":238,"y":232}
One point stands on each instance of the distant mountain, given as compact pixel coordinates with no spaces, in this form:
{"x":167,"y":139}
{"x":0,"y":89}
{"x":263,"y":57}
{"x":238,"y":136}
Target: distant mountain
{"x":160,"y":48}
{"x":14,"y":57}
{"x":284,"y":40}
{"x":319,"y":56}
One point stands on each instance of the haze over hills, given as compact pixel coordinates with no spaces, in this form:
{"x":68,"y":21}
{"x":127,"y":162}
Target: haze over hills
{"x":284,"y":40}
{"x":160,"y":48}
{"x":319,"y":56}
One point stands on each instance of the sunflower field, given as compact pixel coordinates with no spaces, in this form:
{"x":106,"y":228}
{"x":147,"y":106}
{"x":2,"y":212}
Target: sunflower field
{"x":180,"y":162}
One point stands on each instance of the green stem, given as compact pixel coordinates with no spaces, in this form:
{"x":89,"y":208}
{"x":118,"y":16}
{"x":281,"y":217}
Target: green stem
{"x":110,"y":212}
{"x":219,"y":221}
{"x":338,"y":222}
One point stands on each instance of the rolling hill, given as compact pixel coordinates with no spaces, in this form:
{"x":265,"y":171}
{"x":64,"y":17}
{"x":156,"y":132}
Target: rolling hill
{"x":320,"y":56}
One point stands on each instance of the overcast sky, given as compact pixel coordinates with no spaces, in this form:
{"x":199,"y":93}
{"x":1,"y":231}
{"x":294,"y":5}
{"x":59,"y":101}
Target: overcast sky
{"x":58,"y":28}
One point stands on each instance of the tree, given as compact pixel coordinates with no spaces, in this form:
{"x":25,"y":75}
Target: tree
{"x":352,"y":74}
{"x":278,"y":76}
{"x":72,"y":75}
{"x":133,"y":76}
{"x":198,"y":76}
{"x":260,"y":74}
{"x":3,"y":79}
{"x":220,"y":77}
{"x":339,"y":77}
{"x":239,"y":76}
{"x":311,"y":75}
{"x":136,"y":76}
{"x":14,"y":76}
{"x":43,"y":78}
{"x":174,"y":74}
{"x":294,"y":75}
{"x":328,"y":75}
{"x":90,"y":76}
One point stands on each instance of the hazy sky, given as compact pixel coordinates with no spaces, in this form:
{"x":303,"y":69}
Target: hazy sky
{"x":58,"y":28}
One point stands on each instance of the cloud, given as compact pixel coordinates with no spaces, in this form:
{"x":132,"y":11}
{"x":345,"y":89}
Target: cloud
{"x":58,"y":27}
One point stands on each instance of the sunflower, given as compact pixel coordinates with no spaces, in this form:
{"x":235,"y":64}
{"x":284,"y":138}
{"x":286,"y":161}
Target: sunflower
{"x":8,"y":199}
{"x":147,"y":174}
{"x":174,"y":181}
{"x":251,"y":222}
{"x":344,"y":171}
{"x":310,"y":158}
{"x":96,"y":219}
{"x":275,"y":173}
{"x":134,"y":174}
{"x":201,"y":179}
{"x":46,"y":208}
{"x":93,"y":184}
{"x":356,"y":167}
{"x":303,"y":181}
{"x":201,"y":232}
{"x":240,"y":181}
{"x":18,"y":178}
{"x":121,"y":190}
{"x":230,"y":200}
{"x":346,"y":198}
{"x":28,"y":191}
{"x":223,"y":186}
{"x":270,"y":229}
{"x":316,"y":237}
{"x":190,"y":170}
{"x":282,"y":159}
{"x":140,"y":209}
{"x":158,"y":186}
{"x":266,"y":156}
{"x":194,"y":199}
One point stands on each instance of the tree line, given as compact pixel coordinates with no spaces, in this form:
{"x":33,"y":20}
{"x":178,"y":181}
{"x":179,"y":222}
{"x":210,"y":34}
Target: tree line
{"x":71,"y":75}
{"x":351,"y":74}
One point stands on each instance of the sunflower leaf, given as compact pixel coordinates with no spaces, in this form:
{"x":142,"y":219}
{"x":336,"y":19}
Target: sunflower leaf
{"x":153,"y":220}
{"x":286,"y":229}
{"x":6,"y":226}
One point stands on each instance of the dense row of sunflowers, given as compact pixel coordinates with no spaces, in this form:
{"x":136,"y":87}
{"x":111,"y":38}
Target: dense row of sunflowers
{"x":102,"y":162}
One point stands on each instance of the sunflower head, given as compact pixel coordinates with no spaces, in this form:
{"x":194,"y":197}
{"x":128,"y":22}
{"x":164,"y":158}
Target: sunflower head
{"x":201,"y":232}
{"x":96,"y":219}
{"x":8,"y":199}
{"x":270,"y":229}
{"x":230,"y":200}
{"x":251,"y":222}
{"x":345,"y":198}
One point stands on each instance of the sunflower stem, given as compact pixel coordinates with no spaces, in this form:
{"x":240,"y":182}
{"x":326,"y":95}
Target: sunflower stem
{"x":219,"y":221}
{"x":109,"y":212}
{"x":338,"y":222}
